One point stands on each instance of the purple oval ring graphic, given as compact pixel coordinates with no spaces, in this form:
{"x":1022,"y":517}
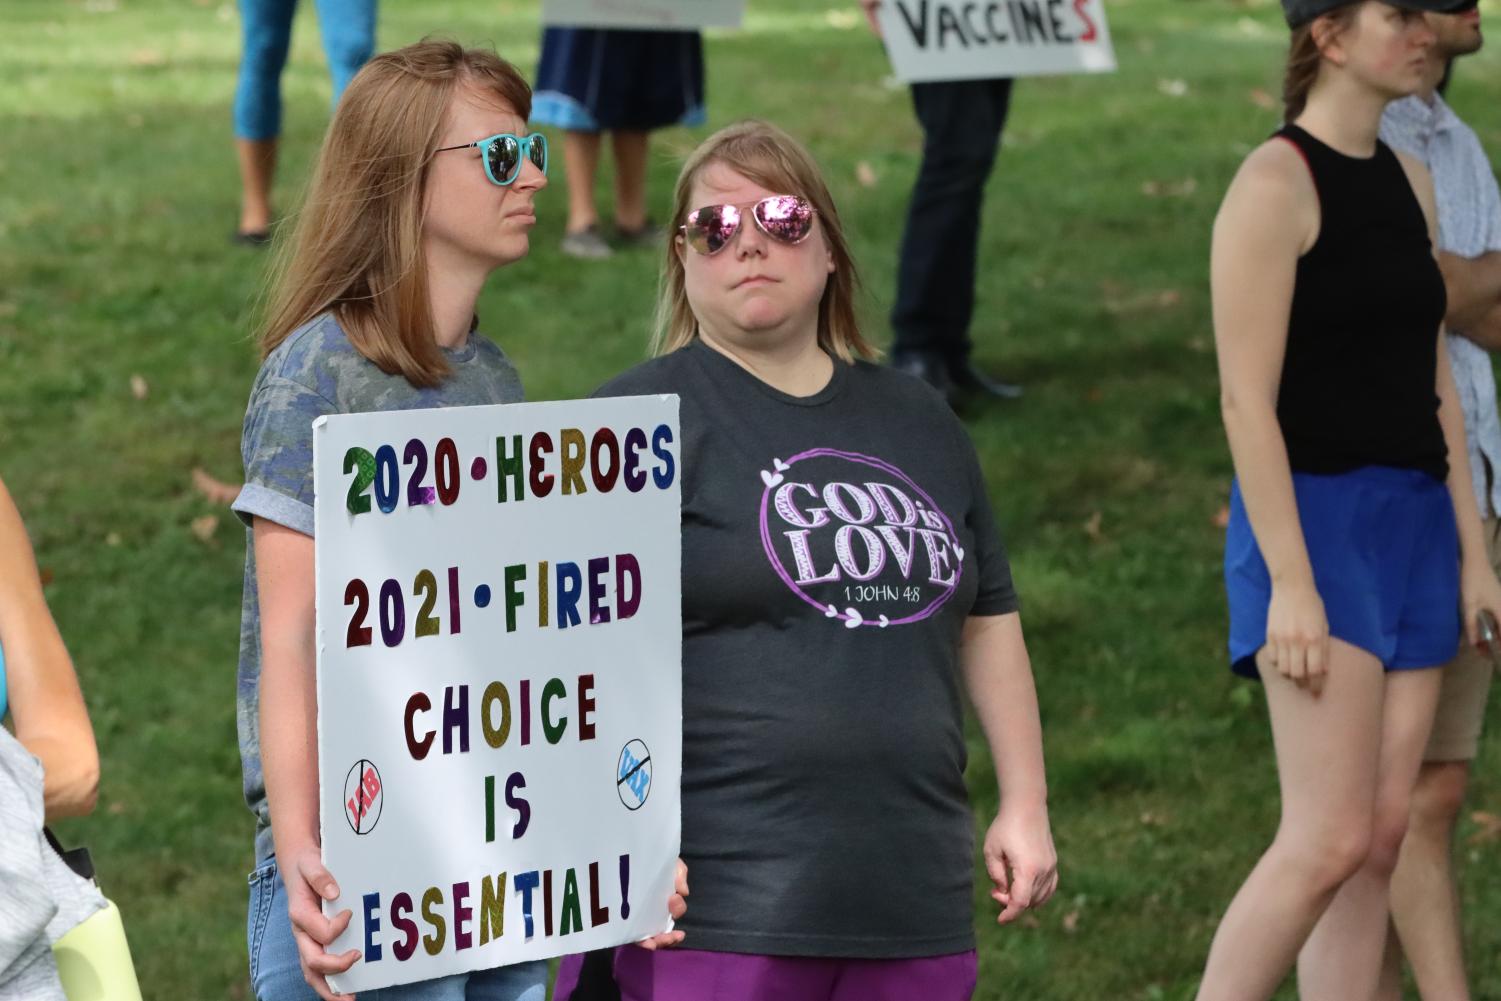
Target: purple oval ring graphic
{"x":935,"y":529}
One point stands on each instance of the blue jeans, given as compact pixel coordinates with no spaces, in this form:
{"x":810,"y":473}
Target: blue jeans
{"x":935,"y":286}
{"x":348,"y":30}
{"x":276,"y":972}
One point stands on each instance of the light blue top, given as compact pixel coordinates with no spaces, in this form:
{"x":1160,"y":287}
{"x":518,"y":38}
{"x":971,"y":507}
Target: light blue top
{"x":1469,"y":224}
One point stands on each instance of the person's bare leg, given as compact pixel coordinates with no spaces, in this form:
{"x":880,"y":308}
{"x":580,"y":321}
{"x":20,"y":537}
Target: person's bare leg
{"x":257,"y":169}
{"x":580,"y":166}
{"x":1343,"y":957}
{"x":1327,"y":749}
{"x":630,"y":150}
{"x":1389,"y":988}
{"x":1424,"y":898}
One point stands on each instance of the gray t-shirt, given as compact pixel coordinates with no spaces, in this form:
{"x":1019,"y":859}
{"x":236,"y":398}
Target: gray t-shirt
{"x":40,"y":897}
{"x":316,"y":371}
{"x":833,"y":546}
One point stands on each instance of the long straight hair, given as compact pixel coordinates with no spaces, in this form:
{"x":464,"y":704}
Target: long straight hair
{"x":765,"y":155}
{"x":357,"y":246}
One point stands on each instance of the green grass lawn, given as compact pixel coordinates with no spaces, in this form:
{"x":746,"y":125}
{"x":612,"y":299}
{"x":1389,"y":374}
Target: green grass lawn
{"x":118,"y":191}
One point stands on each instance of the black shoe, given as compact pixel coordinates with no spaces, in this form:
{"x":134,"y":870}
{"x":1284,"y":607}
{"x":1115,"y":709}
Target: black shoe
{"x":968,"y":379}
{"x":251,"y":238}
{"x":930,"y":368}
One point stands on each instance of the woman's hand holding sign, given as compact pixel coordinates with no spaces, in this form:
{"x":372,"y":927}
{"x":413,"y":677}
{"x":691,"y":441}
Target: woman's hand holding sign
{"x":308,"y":882}
{"x":677,"y":906}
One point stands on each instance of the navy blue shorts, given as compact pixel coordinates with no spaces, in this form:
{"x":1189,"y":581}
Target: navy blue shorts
{"x":1385,"y":555}
{"x":593,"y":79}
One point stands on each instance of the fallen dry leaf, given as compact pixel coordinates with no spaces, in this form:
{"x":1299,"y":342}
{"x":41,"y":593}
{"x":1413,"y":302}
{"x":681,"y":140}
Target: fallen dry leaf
{"x":138,"y":387}
{"x":1071,"y":922}
{"x":205,"y":527}
{"x":46,"y":574}
{"x":1092,"y":526}
{"x":217,"y":491}
{"x":1029,"y":921}
{"x":1169,"y":297}
{"x":112,"y":539}
{"x":147,"y":57}
{"x":1490,"y":827}
{"x":117,"y":807}
{"x":865,"y":174}
{"x":1222,"y":516}
{"x":1262,"y":99}
{"x":1095,"y":394}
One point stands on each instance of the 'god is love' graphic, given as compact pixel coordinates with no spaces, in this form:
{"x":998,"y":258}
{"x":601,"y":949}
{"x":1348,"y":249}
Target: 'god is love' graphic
{"x":857,"y":538}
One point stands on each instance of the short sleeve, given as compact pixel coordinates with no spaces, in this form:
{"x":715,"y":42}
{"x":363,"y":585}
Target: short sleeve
{"x":997,"y":593}
{"x":277,"y":447}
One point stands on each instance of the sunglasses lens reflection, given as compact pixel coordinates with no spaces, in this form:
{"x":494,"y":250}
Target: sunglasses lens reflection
{"x":505,"y":159}
{"x":538,"y":151}
{"x":787,"y":218}
{"x":711,"y":227}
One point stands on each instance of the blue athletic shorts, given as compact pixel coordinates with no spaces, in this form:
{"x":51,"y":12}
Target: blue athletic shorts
{"x":1385,"y":555}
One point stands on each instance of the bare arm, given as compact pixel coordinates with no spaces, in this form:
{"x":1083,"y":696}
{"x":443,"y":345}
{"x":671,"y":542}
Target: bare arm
{"x":289,"y":742}
{"x":1473,"y":285}
{"x":1019,"y":853}
{"x":288,"y":694}
{"x":47,"y":705}
{"x":1269,"y":217}
{"x":1485,"y":331}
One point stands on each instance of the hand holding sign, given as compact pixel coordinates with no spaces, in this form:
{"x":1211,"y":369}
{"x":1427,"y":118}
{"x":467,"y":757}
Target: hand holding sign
{"x":308,"y":883}
{"x":677,"y":906}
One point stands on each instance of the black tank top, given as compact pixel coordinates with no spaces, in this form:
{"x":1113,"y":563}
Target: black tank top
{"x":1358,"y":376}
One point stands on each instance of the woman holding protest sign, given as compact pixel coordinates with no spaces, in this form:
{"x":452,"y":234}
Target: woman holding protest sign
{"x":1354,"y":541}
{"x":843,"y":581}
{"x":424,"y":186}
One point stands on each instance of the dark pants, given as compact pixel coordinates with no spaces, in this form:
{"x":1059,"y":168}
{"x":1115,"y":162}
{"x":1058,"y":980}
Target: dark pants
{"x":935,"y":295}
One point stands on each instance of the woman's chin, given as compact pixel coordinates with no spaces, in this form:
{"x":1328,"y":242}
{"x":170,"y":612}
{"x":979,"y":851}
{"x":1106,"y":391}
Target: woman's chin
{"x":761,"y":314}
{"x":511,"y":250}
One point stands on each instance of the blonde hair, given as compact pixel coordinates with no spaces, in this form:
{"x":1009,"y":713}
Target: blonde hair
{"x":764,"y":154}
{"x":357,"y":246}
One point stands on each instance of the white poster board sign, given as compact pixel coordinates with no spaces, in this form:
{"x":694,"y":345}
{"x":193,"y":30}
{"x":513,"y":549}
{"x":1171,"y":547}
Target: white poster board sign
{"x":499,"y":680}
{"x":660,"y":14}
{"x":983,"y":39}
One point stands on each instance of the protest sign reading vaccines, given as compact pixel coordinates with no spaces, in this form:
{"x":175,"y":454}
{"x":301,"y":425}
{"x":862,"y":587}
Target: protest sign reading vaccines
{"x":659,"y":14}
{"x":499,"y":680}
{"x":930,"y":40}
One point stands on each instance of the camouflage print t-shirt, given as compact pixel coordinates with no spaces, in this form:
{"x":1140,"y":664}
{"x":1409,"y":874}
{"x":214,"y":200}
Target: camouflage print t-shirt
{"x":316,"y":371}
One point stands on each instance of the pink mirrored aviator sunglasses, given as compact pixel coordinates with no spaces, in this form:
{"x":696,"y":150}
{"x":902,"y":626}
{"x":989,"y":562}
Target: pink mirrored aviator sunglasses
{"x":785,"y":218}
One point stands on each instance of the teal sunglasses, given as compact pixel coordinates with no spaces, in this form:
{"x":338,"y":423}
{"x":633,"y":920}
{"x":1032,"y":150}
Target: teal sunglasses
{"x":503,"y":155}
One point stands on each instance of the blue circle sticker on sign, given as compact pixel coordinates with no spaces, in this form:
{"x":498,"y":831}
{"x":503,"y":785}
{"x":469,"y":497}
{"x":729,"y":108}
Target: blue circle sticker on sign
{"x":633,"y":775}
{"x":363,"y":797}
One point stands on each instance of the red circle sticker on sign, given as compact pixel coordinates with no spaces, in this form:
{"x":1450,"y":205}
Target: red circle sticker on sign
{"x":362,"y":797}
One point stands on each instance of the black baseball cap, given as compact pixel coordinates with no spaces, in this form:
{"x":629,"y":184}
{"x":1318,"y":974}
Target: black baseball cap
{"x":1300,"y":12}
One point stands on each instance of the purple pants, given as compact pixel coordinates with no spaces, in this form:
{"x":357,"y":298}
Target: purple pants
{"x":695,"y":975}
